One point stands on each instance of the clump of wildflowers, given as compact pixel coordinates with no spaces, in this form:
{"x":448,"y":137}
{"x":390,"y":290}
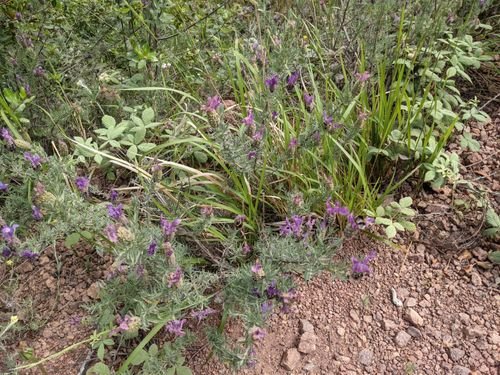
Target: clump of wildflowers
{"x":257,"y":333}
{"x":111,"y":233}
{"x":292,"y":79}
{"x":299,"y":227}
{"x":115,"y":212}
{"x":153,"y":245}
{"x":308,"y":100}
{"x":7,"y":137}
{"x":249,"y":119}
{"x":36,"y":213}
{"x":240,"y":219}
{"x":360,"y":267}
{"x":28,"y":254}
{"x":175,"y":327}
{"x":128,"y":325}
{"x":363,"y":77}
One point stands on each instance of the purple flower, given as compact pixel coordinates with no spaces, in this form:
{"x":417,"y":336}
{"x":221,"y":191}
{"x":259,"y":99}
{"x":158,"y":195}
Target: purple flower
{"x":337,"y":209}
{"x":248,"y":121}
{"x":369,"y":221}
{"x":293,"y":144}
{"x":175,"y":327}
{"x":292,"y":226}
{"x":175,"y":278}
{"x":6,"y":252}
{"x":258,"y":135}
{"x":28,"y":254}
{"x":169,"y":227}
{"x":308,"y":99}
{"x":19,"y":16}
{"x":257,"y":333}
{"x":272,"y":290}
{"x":34,"y":159}
{"x":327,"y":120}
{"x":27,"y":89}
{"x":213,"y":102}
{"x":293,"y":78}
{"x":361,"y":266}
{"x":8,"y":232}
{"x":274,"y":115}
{"x":207,"y":211}
{"x":257,"y":269}
{"x":152,"y":248}
{"x":111,"y":233}
{"x":246,"y":249}
{"x":202,"y":314}
{"x":363,"y":77}
{"x":252,"y":155}
{"x":272,"y":82}
{"x":36,"y":213}
{"x":266,"y":307}
{"x":240,"y":219}
{"x":39,"y":71}
{"x":7,"y":137}
{"x":115,"y":212}
{"x":3,"y":186}
{"x":113,"y":195}
{"x":351,"y":219}
{"x":82,"y":183}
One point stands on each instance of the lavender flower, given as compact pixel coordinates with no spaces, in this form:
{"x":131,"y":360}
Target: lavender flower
{"x":327,"y":120}
{"x":36,"y":213}
{"x":240,"y":219}
{"x":292,"y":226}
{"x":203,"y":314}
{"x":39,"y":71}
{"x":272,"y":82}
{"x":363,"y":77}
{"x":292,"y":79}
{"x":257,"y":333}
{"x":111,"y":233}
{"x":293,"y":144}
{"x":266,"y":307}
{"x":337,"y":209}
{"x":361,"y":266}
{"x":28,"y":254}
{"x":9,"y":232}
{"x":169,"y":227}
{"x":7,"y":137}
{"x":153,"y":245}
{"x":113,"y":195}
{"x":212,"y":104}
{"x":128,"y":324}
{"x":6,"y":252}
{"x":257,"y":269}
{"x":27,"y":89}
{"x":115,"y":212}
{"x":274,"y":115}
{"x":34,"y":159}
{"x":175,"y":278}
{"x":246,"y":249}
{"x":3,"y":186}
{"x":82,"y":183}
{"x":175,"y":327}
{"x":258,"y":135}
{"x":249,"y":120}
{"x":308,"y":99}
{"x":207,"y":211}
{"x":252,"y":155}
{"x":272,"y":290}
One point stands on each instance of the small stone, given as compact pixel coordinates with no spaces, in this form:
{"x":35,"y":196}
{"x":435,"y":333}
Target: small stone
{"x":402,"y":339}
{"x":414,"y":318}
{"x":475,"y":279}
{"x":494,"y":338}
{"x":309,"y":367}
{"x":460,"y":370}
{"x":473,"y":332}
{"x":414,"y":332}
{"x":344,"y":359}
{"x":291,"y":359}
{"x":93,"y":291}
{"x":480,"y":253}
{"x":456,"y":354}
{"x":44,"y":260}
{"x":307,"y":343}
{"x":389,"y":325}
{"x":306,"y":326}
{"x":464,"y":318}
{"x":411,"y":302}
{"x":447,"y":341}
{"x":341,"y":331}
{"x":367,"y":319}
{"x":354,"y":315}
{"x":365,"y":357}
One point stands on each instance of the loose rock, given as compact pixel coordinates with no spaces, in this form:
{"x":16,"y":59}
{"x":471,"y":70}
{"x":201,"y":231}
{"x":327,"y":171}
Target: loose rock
{"x":365,"y":357}
{"x":456,"y":354}
{"x":306,"y":326}
{"x":402,"y":339}
{"x":414,"y":332}
{"x":291,"y":359}
{"x":414,"y":318}
{"x":460,"y":370}
{"x":307,"y":343}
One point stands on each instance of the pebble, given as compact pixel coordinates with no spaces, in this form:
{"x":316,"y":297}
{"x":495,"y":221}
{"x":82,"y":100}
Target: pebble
{"x":389,"y":325}
{"x":307,"y":343}
{"x":456,"y":354}
{"x":460,"y":370}
{"x":411,"y":302}
{"x":414,"y":318}
{"x":414,"y":332}
{"x":306,"y":326}
{"x":475,"y":279}
{"x":402,"y":339}
{"x":309,"y":367}
{"x":476,"y":331}
{"x":354,"y":315}
{"x":365,"y":357}
{"x":341,"y":331}
{"x":291,"y":359}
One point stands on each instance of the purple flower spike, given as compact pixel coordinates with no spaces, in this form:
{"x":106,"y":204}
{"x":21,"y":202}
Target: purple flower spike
{"x":248,"y":121}
{"x":258,"y":135}
{"x":82,"y":183}
{"x":153,"y":245}
{"x":293,"y":144}
{"x":6,"y":252}
{"x":28,"y":254}
{"x":266,"y":307}
{"x":308,"y":99}
{"x":9,"y":232}
{"x":111,"y":233}
{"x":246,"y":249}
{"x":115,"y":212}
{"x":212,"y":104}
{"x":240,"y":219}
{"x":272,"y":82}
{"x":169,"y":227}
{"x":272,"y":290}
{"x":175,"y":327}
{"x":175,"y":278}
{"x":274,"y":115}
{"x":3,"y":186}
{"x":327,"y":120}
{"x":7,"y":137}
{"x":113,"y":195}
{"x":363,"y":77}
{"x":361,"y":266}
{"x":252,"y":155}
{"x":34,"y":159}
{"x":203,"y":314}
{"x":257,"y":333}
{"x":293,"y":78}
{"x":257,"y":269}
{"x":36,"y":213}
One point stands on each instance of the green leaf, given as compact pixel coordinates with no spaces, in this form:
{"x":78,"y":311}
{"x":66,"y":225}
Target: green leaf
{"x":451,"y":72}
{"x":145,"y":147}
{"x":405,"y":202}
{"x":383,"y":220}
{"x":72,"y":239}
{"x":408,"y":225}
{"x":100,"y":352}
{"x":170,"y":371}
{"x":140,"y":134}
{"x":380,"y":211}
{"x":429,"y":175}
{"x":98,"y":369}
{"x":86,"y":234}
{"x":201,"y":157}
{"x":494,"y":257}
{"x":139,"y":357}
{"x":492,"y":218}
{"x":98,"y":159}
{"x":132,"y":152}
{"x":148,"y":115}
{"x":398,"y":226}
{"x":108,"y":121}
{"x":137,"y":121}
{"x":183,"y":370}
{"x":407,"y":212}
{"x":390,"y":231}
{"x":153,"y":350}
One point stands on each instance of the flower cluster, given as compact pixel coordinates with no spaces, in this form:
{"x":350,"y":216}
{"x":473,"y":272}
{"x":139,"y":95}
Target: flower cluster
{"x":203,"y":314}
{"x":34,"y":159}
{"x":212,"y":104}
{"x":128,"y":324}
{"x":299,"y":227}
{"x":169,"y":227}
{"x":361,"y":266}
{"x":175,"y":278}
{"x":175,"y":327}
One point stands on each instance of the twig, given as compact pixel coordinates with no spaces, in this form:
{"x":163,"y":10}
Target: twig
{"x":489,"y":101}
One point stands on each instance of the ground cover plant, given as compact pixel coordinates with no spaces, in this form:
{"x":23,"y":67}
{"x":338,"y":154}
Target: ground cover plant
{"x":216,"y":150}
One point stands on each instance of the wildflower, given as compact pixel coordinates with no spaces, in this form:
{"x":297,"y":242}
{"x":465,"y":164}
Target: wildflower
{"x":363,"y":77}
{"x":111,"y":233}
{"x":292,"y":226}
{"x":34,"y":159}
{"x":169,"y":227}
{"x":19,"y":16}
{"x":36,"y":213}
{"x":212,"y":104}
{"x":115,"y":212}
{"x":75,"y":320}
{"x":257,"y":333}
{"x":266,"y":307}
{"x":82,"y":183}
{"x":252,"y":155}
{"x":9,"y":232}
{"x":337,"y":209}
{"x":308,"y":99}
{"x":361,"y":266}
{"x":39,"y":71}
{"x":257,"y":269}
{"x":240,"y":219}
{"x":274,"y":115}
{"x":3,"y":186}
{"x":272,"y":290}
{"x":298,"y":200}
{"x":293,"y":144}
{"x":113,"y":195}
{"x":369,"y":221}
{"x":362,"y":116}
{"x":28,"y":254}
{"x":287,"y":297}
{"x":292,"y":79}
{"x":175,"y":278}
{"x":258,"y":135}
{"x":152,"y":248}
{"x":7,"y":137}
{"x":246,"y":249}
{"x":249,"y":120}
{"x":6,"y":252}
{"x":327,"y":120}
{"x":202,"y":314}
{"x":168,"y":249}
{"x":27,"y":89}
{"x":272,"y":82}
{"x":39,"y":189}
{"x":175,"y":327}
{"x":128,"y":325}
{"x":207,"y":211}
